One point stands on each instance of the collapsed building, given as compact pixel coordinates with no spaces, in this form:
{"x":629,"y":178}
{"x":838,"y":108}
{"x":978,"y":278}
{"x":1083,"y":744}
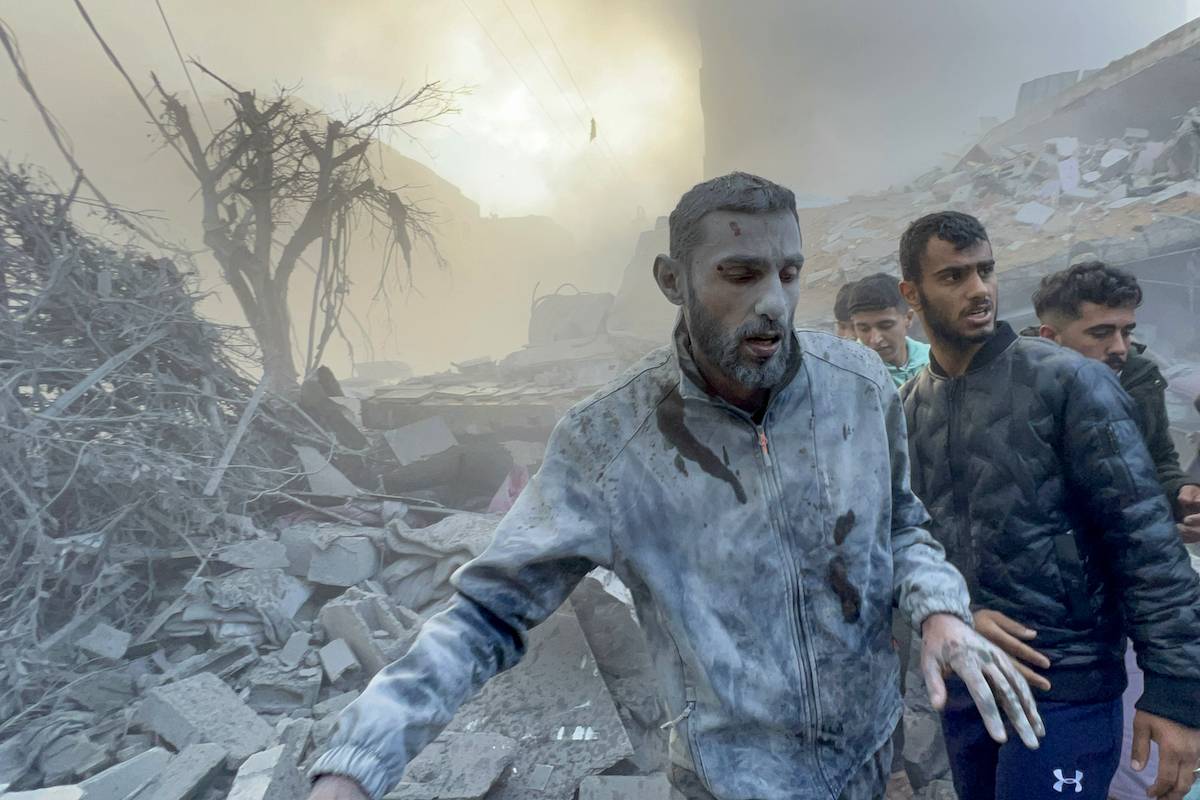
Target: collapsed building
{"x":201,"y":645}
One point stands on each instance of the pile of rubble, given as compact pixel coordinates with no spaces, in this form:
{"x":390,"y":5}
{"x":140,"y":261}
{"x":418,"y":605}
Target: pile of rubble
{"x":1032,"y":197}
{"x":233,"y":688}
{"x":198,"y":575}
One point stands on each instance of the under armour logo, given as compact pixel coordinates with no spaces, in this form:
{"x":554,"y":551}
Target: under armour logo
{"x":1077,"y":781}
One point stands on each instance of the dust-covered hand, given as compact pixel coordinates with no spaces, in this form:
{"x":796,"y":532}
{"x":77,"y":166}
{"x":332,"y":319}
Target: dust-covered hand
{"x":950,"y":645}
{"x":1189,"y":501}
{"x":336,"y":787}
{"x":1178,"y":754}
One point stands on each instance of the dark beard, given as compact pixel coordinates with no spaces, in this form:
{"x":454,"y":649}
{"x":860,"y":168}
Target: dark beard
{"x":725,"y":351}
{"x":942,"y":327}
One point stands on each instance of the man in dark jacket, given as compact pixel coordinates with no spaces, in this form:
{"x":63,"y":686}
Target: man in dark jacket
{"x":1092,"y":309}
{"x":1046,"y":499}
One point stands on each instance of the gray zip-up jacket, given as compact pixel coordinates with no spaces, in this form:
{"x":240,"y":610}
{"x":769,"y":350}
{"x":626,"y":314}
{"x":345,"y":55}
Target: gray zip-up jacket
{"x":764,"y":562}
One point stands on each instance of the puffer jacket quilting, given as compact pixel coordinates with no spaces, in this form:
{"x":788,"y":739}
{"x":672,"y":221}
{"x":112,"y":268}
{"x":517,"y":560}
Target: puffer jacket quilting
{"x":1043,"y":493}
{"x":764,"y":562}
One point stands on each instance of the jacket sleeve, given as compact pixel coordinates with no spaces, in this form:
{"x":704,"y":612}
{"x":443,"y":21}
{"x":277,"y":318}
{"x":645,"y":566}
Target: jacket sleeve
{"x":1162,"y":449}
{"x":925,"y":582}
{"x":554,"y":535}
{"x":1110,"y":469}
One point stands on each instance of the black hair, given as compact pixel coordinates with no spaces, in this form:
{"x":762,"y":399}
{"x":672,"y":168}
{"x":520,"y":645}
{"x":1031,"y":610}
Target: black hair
{"x":876,"y":293}
{"x":959,"y":229}
{"x":1062,"y":293}
{"x":841,"y":304}
{"x":737,"y":191}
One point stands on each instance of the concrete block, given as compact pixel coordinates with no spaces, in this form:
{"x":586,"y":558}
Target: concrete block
{"x":625,"y":787}
{"x":119,"y":782}
{"x":294,"y":650}
{"x":203,"y":709}
{"x":106,"y":642}
{"x":268,"y":775}
{"x":189,"y":773}
{"x":360,"y":618}
{"x":274,"y":689}
{"x":337,"y":658}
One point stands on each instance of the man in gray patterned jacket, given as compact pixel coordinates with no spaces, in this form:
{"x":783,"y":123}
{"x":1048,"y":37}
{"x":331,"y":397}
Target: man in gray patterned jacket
{"x":749,"y":484}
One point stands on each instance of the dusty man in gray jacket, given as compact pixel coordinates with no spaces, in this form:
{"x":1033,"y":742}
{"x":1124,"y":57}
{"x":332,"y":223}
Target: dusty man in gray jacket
{"x":749,"y":484}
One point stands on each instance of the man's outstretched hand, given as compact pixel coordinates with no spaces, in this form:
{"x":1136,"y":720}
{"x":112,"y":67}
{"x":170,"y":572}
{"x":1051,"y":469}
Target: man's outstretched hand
{"x":950,"y":645}
{"x":336,"y":787}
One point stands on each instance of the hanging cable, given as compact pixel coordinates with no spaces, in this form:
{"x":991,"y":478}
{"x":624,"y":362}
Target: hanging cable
{"x":187,"y":73}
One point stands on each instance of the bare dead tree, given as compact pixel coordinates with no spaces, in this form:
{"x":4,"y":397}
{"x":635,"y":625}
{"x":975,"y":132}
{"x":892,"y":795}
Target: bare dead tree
{"x":281,"y":178}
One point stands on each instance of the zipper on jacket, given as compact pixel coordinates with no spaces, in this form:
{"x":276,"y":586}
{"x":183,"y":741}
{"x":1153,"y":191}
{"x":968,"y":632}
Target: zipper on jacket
{"x":689,"y":705}
{"x":804,"y":635}
{"x":955,"y":450}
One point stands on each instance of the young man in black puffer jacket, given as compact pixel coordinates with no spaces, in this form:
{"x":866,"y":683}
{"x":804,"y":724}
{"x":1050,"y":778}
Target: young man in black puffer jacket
{"x":1046,"y":499}
{"x":1092,"y":309}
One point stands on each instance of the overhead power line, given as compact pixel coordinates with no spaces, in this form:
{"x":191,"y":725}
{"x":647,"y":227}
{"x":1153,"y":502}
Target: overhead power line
{"x":516,"y":72}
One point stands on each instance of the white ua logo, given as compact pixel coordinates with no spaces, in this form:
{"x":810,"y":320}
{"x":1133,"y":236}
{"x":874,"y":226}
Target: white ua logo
{"x":1077,"y":781}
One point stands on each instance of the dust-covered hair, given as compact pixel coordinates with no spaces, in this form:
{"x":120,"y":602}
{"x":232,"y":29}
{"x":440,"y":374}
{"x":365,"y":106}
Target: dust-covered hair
{"x":737,"y":191}
{"x":1061,"y":294}
{"x":959,"y":229}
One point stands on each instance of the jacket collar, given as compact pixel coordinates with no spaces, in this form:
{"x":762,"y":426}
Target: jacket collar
{"x":1001,"y":340}
{"x":692,"y":385}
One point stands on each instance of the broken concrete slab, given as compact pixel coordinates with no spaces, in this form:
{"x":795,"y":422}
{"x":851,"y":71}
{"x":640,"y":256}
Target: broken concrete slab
{"x":323,"y":477}
{"x":106,"y":642}
{"x":377,"y":631}
{"x":294,"y":650}
{"x":333,"y":554}
{"x":420,"y":441}
{"x":456,"y":766}
{"x":122,"y":780}
{"x":1034,"y":213}
{"x":1064,"y":146}
{"x":69,"y":756}
{"x":625,"y":787}
{"x":272,"y":688}
{"x":1176,"y":190}
{"x":326,"y":714}
{"x":204,"y":709}
{"x":49,"y":793}
{"x":560,"y":689}
{"x":188,"y":774}
{"x":103,"y":691}
{"x":348,"y":560}
{"x":295,"y":736}
{"x":337,"y":658}
{"x":224,"y":662}
{"x":255,"y":554}
{"x":1114,"y":162}
{"x":268,"y":775}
